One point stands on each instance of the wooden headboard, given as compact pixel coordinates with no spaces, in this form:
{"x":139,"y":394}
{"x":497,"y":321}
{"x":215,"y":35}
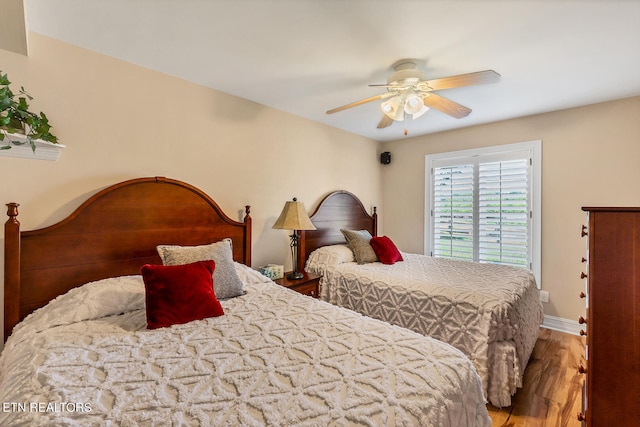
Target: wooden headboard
{"x":113,"y":233}
{"x":337,"y":210}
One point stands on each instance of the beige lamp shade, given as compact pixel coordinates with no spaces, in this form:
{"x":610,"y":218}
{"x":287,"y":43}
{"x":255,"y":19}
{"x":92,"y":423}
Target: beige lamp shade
{"x":294,"y":217}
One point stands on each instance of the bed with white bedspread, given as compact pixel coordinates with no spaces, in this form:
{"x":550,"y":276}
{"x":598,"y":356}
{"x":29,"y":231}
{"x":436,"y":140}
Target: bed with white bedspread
{"x":274,"y":358}
{"x":492,"y":313}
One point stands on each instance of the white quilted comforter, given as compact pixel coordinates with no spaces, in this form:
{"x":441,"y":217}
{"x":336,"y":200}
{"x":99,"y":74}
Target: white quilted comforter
{"x":492,"y":313}
{"x":274,"y":358}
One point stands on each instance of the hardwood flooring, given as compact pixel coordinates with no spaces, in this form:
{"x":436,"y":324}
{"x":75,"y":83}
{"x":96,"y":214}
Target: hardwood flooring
{"x":552,"y":388}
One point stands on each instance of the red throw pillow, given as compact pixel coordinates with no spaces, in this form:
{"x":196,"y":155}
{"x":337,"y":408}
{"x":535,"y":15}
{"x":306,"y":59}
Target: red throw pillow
{"x":385,"y":250}
{"x":179,"y":293}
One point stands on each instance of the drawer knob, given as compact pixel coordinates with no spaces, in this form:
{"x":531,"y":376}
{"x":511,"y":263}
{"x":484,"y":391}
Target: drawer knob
{"x":581,"y":417}
{"x":582,"y":275}
{"x":584,"y":231}
{"x":582,"y":320}
{"x":584,"y":259}
{"x":582,"y":295}
{"x":583,"y":333}
{"x":582,"y":369}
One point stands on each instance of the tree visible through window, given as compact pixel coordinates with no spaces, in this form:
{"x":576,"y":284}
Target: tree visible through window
{"x":483,"y":205}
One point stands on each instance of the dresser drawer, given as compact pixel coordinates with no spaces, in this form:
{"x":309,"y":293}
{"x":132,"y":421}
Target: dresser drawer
{"x":308,"y":285}
{"x":310,"y":289}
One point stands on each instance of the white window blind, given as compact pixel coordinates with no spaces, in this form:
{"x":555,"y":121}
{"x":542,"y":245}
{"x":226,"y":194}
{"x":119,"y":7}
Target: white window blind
{"x":503,"y":212}
{"x":483,"y":205}
{"x":453,"y":212}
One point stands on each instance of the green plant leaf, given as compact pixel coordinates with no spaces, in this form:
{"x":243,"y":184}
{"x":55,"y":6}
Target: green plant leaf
{"x":15,"y":115}
{"x":23,"y":104}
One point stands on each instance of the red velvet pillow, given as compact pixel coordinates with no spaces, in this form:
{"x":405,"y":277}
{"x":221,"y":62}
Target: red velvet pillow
{"x":385,"y":250}
{"x":179,"y":293}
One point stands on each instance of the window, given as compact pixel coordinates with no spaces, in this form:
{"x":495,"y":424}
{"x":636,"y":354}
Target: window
{"x":484,"y":205}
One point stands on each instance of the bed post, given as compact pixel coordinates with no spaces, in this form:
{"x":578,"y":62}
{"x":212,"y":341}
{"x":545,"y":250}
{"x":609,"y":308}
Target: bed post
{"x":247,"y":236}
{"x":302,"y":251}
{"x":375,"y":221}
{"x":11,"y":269}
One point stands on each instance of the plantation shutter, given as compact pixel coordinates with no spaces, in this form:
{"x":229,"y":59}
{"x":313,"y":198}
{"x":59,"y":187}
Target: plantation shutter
{"x":453,"y":212}
{"x":481,"y":207}
{"x":503,"y":212}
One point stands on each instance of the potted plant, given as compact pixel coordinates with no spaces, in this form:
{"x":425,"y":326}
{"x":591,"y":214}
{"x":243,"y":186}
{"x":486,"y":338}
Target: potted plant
{"x":15,"y":118}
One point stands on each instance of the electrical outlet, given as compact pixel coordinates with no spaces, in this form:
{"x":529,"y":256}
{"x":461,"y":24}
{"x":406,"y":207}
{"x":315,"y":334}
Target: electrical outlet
{"x":544,"y":296}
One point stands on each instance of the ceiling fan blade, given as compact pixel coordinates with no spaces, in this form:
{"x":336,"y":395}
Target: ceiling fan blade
{"x":445,"y":105}
{"x":477,"y":78}
{"x":385,"y":121}
{"x":362,"y":101}
{"x":387,"y":85}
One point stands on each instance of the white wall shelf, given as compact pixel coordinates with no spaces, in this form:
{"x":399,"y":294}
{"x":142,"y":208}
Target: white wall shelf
{"x":45,"y":150}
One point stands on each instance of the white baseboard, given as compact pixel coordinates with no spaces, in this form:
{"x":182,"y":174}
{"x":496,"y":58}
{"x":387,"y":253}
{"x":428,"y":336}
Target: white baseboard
{"x":562,"y":325}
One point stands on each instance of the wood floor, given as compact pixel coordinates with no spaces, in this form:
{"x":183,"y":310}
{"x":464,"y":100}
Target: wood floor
{"x":552,"y":391}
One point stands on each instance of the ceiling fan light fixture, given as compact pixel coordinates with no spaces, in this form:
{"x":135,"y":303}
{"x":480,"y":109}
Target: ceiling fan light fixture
{"x":413,"y":104}
{"x":392,"y":108}
{"x":423,"y":110}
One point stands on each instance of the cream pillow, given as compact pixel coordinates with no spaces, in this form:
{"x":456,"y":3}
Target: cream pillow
{"x":327,"y":257}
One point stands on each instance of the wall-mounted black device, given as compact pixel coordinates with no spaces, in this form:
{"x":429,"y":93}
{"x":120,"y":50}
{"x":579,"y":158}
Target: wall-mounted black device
{"x":385,"y":158}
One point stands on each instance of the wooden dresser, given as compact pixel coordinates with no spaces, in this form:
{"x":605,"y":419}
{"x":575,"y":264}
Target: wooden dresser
{"x":612,"y":385}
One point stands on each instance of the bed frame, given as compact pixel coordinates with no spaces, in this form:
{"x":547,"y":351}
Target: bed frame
{"x":113,"y":233}
{"x":337,"y":210}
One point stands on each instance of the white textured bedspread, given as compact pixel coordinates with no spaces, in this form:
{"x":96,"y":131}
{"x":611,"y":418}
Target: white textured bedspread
{"x":492,"y":313}
{"x":274,"y":358}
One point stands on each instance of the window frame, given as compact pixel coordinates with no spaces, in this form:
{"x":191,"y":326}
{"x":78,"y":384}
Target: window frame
{"x":534,"y":151}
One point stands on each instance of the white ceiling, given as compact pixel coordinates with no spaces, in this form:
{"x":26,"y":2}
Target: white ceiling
{"x":308,"y":56}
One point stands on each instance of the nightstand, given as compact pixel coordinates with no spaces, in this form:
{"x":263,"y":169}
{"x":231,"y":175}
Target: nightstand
{"x":308,"y":285}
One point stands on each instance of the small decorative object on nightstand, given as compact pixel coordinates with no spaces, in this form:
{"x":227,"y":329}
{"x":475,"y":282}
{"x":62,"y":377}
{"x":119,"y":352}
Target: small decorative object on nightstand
{"x":294,"y":217}
{"x":309,"y":284}
{"x":272,"y":271}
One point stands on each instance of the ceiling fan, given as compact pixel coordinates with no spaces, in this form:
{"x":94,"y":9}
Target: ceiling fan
{"x":409,"y":92}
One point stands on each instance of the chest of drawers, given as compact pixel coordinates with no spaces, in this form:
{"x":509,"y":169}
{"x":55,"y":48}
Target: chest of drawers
{"x":612,"y":325}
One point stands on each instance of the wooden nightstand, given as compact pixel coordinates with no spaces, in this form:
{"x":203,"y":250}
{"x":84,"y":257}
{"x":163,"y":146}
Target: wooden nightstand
{"x":308,"y":285}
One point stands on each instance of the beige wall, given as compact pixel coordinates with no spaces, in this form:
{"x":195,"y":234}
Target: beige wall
{"x":121,"y":121}
{"x":590,"y":156}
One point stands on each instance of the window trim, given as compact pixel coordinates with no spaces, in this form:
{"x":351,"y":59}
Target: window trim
{"x":535,"y":151}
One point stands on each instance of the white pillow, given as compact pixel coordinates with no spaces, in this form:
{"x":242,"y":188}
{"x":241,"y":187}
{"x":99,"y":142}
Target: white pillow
{"x":328,"y":257}
{"x":90,"y":301}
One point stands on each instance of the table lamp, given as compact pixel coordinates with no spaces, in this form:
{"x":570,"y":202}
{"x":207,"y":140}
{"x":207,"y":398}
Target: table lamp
{"x":294,"y":217}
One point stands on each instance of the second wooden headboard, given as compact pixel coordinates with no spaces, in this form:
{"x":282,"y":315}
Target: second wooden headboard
{"x":340,"y":209}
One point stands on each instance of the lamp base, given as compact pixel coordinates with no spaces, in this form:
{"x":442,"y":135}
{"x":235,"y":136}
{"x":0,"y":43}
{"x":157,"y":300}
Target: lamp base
{"x":295,"y":275}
